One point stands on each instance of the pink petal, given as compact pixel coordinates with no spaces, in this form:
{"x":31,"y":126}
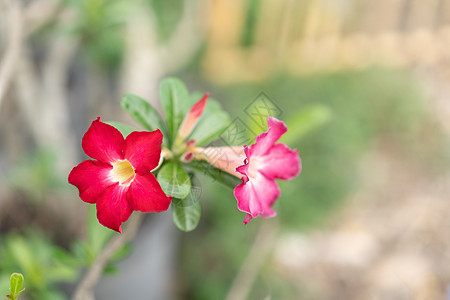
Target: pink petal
{"x":113,"y":208}
{"x":145,"y":194}
{"x":91,"y":178}
{"x":143,"y":149}
{"x":265,"y":140}
{"x":280,"y":162}
{"x":103,"y":142}
{"x":247,"y":218}
{"x":192,"y":118}
{"x":243,"y":169}
{"x":224,"y":158}
{"x":256,"y":196}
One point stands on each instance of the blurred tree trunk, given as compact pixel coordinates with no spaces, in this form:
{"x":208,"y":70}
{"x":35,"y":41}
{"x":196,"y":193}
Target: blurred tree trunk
{"x":41,"y":93}
{"x":147,"y":60}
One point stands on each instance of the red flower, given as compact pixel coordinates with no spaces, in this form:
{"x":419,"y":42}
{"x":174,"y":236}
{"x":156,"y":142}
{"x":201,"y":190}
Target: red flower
{"x":119,"y":180}
{"x":265,"y":162}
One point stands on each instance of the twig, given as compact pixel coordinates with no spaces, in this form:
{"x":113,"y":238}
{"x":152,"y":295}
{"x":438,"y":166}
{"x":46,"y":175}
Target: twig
{"x":85,"y":289}
{"x":187,"y":36}
{"x":10,"y":58}
{"x":40,"y":12}
{"x":256,"y":257}
{"x":44,"y":92}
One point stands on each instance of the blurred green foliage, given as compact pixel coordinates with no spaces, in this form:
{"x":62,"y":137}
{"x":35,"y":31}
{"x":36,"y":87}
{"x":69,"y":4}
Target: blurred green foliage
{"x":251,"y":18}
{"x":99,"y":25}
{"x":46,"y":266}
{"x":349,"y":110}
{"x":167,"y":14}
{"x":35,"y":175}
{"x":363,"y":105}
{"x":41,"y":262}
{"x":85,"y":252}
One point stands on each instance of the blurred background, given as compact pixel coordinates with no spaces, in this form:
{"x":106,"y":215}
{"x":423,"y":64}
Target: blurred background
{"x":363,"y":86}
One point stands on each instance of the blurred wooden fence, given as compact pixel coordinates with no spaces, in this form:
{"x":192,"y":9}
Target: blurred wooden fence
{"x":248,"y":40}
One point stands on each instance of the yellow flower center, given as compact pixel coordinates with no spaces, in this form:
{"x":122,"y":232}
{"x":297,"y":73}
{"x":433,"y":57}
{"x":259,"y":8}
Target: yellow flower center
{"x":123,"y":172}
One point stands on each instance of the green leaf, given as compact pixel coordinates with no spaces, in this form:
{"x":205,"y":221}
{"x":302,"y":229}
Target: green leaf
{"x":123,"y":128}
{"x":186,"y":212}
{"x":216,"y":174}
{"x":175,"y":101}
{"x":142,"y":112}
{"x":305,"y":121}
{"x":174,"y":180}
{"x":213,"y":122}
{"x":16,"y":282}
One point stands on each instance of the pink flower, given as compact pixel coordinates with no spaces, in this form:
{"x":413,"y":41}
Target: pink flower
{"x":119,"y":180}
{"x":265,"y":162}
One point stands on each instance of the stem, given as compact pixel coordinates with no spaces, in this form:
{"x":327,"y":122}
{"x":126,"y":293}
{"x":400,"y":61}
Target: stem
{"x":261,"y":248}
{"x":85,"y":289}
{"x":9,"y":61}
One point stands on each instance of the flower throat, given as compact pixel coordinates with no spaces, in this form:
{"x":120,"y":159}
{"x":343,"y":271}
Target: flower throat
{"x":123,"y":172}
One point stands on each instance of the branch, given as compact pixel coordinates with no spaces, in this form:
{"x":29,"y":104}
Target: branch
{"x":44,"y":92}
{"x":54,"y":99}
{"x":8,"y":64}
{"x":85,"y":289}
{"x":256,"y":257}
{"x":187,"y":36}
{"x":40,"y":12}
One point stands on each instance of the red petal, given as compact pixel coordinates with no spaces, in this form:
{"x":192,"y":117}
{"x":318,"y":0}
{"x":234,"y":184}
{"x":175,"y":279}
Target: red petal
{"x":145,"y":194}
{"x":265,"y":140}
{"x":191,"y":118}
{"x":103,"y":142}
{"x":91,"y":178}
{"x":256,"y":196}
{"x":113,"y":208}
{"x":280,"y":162}
{"x":197,"y":110}
{"x":143,"y":149}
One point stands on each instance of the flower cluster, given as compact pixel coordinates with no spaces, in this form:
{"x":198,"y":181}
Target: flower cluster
{"x":120,"y":179}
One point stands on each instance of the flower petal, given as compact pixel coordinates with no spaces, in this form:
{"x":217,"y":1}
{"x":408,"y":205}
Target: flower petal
{"x":103,"y":142}
{"x":145,"y":194}
{"x":280,"y":162}
{"x":224,"y":158}
{"x":143,"y":149}
{"x":113,"y":208}
{"x":191,"y":118}
{"x":91,"y":178}
{"x":256,"y":196}
{"x":265,"y":140}
{"x":243,"y":169}
{"x":247,"y":218}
